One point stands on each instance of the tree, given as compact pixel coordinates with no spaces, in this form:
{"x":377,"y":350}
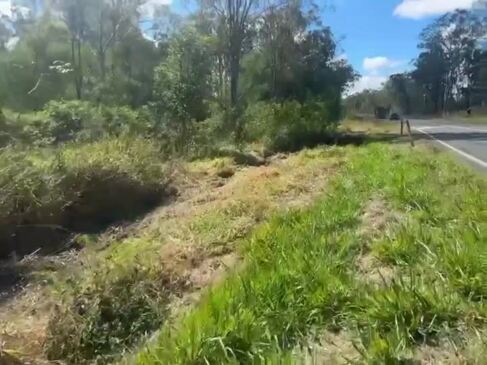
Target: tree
{"x":182,"y":83}
{"x":449,"y":44}
{"x":37,"y":69}
{"x":398,"y":85}
{"x":233,"y":18}
{"x":292,"y":62}
{"x":430,"y":75}
{"x":76,"y":15}
{"x":110,"y":22}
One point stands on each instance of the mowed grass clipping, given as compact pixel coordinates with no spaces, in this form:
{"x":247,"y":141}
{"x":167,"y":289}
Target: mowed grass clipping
{"x":301,"y":276}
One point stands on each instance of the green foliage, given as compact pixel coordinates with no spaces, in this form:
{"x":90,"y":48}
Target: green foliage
{"x":65,"y":121}
{"x":295,"y":63}
{"x":28,"y":72}
{"x":76,"y":188}
{"x":182,"y":84}
{"x":291,"y":125}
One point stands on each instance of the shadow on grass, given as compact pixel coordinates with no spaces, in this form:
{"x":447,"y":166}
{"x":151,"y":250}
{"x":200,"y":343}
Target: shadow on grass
{"x":33,"y":245}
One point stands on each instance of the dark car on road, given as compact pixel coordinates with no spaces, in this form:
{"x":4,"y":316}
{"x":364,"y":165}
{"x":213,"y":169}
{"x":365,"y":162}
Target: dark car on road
{"x":394,"y":116}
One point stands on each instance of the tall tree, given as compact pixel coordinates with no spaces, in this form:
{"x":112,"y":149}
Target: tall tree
{"x":76,"y":15}
{"x":450,"y":42}
{"x":233,"y":18}
{"x":182,"y":83}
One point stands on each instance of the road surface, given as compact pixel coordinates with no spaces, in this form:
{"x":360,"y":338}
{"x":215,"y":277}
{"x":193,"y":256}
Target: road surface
{"x":466,"y":140}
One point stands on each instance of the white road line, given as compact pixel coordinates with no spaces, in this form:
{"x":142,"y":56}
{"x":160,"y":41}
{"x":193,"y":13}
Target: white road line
{"x":460,"y":152}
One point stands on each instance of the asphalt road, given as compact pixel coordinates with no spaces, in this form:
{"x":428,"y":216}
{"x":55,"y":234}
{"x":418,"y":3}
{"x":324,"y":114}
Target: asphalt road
{"x":465,"y":140}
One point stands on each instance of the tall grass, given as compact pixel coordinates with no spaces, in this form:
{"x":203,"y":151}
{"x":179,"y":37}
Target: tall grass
{"x":300,"y":275}
{"x":76,"y":187}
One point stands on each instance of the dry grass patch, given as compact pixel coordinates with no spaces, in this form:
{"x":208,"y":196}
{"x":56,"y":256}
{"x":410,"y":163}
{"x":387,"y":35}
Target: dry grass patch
{"x":182,"y":247}
{"x":371,"y":127}
{"x":332,"y":348}
{"x":376,"y":219}
{"x":23,"y":323}
{"x":468,"y":349}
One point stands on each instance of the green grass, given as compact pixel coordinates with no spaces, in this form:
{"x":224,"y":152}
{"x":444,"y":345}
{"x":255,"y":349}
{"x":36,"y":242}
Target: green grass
{"x":77,"y":186}
{"x":300,"y":275}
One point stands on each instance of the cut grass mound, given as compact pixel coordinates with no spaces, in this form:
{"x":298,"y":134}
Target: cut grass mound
{"x":46,"y":195}
{"x":301,"y":277}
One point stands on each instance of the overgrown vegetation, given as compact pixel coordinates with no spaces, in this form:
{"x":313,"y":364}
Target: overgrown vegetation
{"x":291,"y":126}
{"x":126,"y":290}
{"x":301,"y":276}
{"x":52,"y":193}
{"x":97,"y":85}
{"x":189,"y":87}
{"x":107,"y":108}
{"x":111,"y":314}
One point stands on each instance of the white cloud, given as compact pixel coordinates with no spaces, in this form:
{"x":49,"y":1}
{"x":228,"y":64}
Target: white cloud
{"x":376,"y":72}
{"x":367,"y":82}
{"x":376,"y":64}
{"x":7,"y":6}
{"x":150,"y":5}
{"x":11,"y":43}
{"x":417,"y":9}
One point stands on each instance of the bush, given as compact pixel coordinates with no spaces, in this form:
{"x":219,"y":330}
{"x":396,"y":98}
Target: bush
{"x":290,"y":126}
{"x":83,"y":121}
{"x":66,"y":121}
{"x":46,"y":194}
{"x":108,"y":316}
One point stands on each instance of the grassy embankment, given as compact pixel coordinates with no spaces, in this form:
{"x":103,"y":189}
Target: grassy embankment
{"x":54,"y":192}
{"x":389,"y":266}
{"x":129,"y":280}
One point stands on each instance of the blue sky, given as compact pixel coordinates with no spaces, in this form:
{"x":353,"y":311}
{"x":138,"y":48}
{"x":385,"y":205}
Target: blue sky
{"x":374,"y":40}
{"x":380,"y":37}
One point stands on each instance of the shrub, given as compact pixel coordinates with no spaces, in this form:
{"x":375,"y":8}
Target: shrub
{"x":125,"y":121}
{"x":291,"y":125}
{"x":107,"y":316}
{"x":84,"y":121}
{"x":45,"y":194}
{"x":66,"y":119}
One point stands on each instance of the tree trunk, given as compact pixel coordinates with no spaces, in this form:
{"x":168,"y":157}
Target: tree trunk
{"x":75,"y":68}
{"x":234,"y":79}
{"x":102,"y":53}
{"x":80,"y":72}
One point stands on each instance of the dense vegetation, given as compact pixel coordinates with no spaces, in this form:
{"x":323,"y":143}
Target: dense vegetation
{"x":96,"y":77}
{"x":165,"y":78}
{"x":450,"y":73}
